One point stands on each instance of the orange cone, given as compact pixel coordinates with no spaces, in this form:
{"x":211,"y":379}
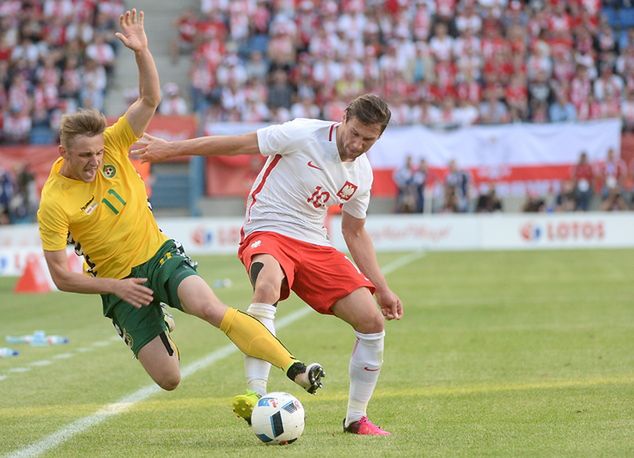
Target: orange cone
{"x":33,"y":279}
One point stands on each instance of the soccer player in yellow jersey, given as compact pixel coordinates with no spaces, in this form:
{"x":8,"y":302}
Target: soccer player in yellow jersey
{"x":94,"y":199}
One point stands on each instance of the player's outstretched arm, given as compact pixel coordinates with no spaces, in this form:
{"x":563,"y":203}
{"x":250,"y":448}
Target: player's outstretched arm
{"x":154,"y":149}
{"x":133,"y":36}
{"x":362,"y":250}
{"x":130,"y":290}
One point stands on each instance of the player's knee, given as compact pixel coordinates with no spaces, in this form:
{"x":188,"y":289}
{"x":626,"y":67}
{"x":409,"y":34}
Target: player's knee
{"x":267,"y":292}
{"x":371,"y":324}
{"x":169,"y":381}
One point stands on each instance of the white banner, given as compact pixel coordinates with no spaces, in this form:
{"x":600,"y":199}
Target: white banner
{"x":497,"y":231}
{"x":204,"y":235}
{"x":389,"y":233}
{"x":493,"y":146}
{"x":519,"y":144}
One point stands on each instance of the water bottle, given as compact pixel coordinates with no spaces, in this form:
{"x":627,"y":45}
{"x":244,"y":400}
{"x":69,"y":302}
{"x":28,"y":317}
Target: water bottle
{"x":8,"y":352}
{"x":38,"y":339}
{"x":18,"y":339}
{"x":56,"y":340}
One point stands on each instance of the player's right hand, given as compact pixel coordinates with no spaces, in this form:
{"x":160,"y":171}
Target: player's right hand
{"x":133,"y":292}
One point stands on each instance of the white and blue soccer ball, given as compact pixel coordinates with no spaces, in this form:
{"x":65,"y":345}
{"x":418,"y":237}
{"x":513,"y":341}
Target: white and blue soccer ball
{"x":278,"y":418}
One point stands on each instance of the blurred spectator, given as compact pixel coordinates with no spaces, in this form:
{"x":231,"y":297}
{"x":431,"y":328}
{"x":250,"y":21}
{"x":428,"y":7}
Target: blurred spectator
{"x":627,"y":111}
{"x":457,"y":189}
{"x":280,"y":91}
{"x":566,"y":198}
{"x":305,"y":107}
{"x":24,"y":200}
{"x":562,"y":109}
{"x":17,"y":125}
{"x":517,"y":98}
{"x":420,"y":180}
{"x":94,"y":82}
{"x":488,"y":201}
{"x":186,"y":34}
{"x":534,"y":204}
{"x":406,"y":188}
{"x":492,"y":110}
{"x":172,"y":103}
{"x":256,"y":66}
{"x":614,"y":201}
{"x":612,"y":174}
{"x":101,"y":52}
{"x":6,"y":195}
{"x":583,"y":179}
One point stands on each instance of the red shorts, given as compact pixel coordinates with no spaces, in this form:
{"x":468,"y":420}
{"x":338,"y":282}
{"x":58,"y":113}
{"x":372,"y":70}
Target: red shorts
{"x":319,"y":275}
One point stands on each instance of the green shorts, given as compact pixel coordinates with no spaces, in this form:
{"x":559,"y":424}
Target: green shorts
{"x":164,"y":271}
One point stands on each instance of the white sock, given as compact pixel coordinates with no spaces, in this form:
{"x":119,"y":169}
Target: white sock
{"x":257,"y":370}
{"x":364,"y":369}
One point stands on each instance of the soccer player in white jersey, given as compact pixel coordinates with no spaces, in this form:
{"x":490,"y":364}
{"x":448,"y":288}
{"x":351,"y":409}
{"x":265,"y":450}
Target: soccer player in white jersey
{"x":311,"y":166}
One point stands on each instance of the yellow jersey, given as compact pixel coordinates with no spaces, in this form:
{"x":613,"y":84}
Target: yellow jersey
{"x":108,"y":220}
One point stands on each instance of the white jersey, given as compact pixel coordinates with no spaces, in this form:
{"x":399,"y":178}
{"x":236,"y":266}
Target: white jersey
{"x":301,"y":178}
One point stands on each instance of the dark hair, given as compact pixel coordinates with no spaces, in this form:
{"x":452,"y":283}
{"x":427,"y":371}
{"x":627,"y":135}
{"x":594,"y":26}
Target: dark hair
{"x":369,"y":109}
{"x":87,"y":122}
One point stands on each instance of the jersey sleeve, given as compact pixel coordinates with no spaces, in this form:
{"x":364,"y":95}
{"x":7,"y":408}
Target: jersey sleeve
{"x":278,"y":138}
{"x":53,"y":225}
{"x":358,"y":206}
{"x":119,"y":137}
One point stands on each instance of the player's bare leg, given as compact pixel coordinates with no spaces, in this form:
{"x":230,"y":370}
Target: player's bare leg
{"x":159,"y":358}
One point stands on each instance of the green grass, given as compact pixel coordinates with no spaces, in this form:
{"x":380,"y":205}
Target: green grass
{"x":499,"y":354}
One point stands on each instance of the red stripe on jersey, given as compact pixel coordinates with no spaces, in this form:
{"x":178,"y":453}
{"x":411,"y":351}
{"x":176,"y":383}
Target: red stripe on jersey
{"x":257,"y":190}
{"x":332,"y":128}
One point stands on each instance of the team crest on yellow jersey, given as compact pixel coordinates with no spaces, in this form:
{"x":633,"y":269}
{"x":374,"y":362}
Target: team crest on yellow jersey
{"x":109,"y":170}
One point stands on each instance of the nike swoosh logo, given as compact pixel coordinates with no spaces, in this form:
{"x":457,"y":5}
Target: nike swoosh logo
{"x":366,"y":368}
{"x":310,"y":164}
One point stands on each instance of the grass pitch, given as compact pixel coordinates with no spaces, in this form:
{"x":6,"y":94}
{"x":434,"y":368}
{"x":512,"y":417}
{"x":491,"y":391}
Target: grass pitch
{"x":499,"y":354}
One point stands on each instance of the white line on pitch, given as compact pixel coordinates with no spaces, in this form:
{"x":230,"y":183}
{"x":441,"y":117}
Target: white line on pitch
{"x":19,"y":370}
{"x":64,"y":356}
{"x":102,"y":343}
{"x":127,"y":402}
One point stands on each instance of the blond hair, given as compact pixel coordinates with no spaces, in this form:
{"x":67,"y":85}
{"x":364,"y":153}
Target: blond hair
{"x":86,"y":122}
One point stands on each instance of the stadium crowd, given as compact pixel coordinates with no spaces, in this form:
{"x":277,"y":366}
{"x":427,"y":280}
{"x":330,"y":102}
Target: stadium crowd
{"x":55,"y":56}
{"x":607,"y":186}
{"x":441,"y":63}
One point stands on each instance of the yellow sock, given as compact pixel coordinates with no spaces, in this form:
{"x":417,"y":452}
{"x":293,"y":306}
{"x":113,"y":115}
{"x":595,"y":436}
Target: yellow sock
{"x":253,"y":339}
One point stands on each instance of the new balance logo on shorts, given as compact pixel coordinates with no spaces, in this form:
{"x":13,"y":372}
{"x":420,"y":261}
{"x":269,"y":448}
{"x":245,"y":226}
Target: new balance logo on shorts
{"x":256,"y":244}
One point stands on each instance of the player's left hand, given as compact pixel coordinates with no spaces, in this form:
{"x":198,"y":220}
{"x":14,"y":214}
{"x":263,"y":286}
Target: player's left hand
{"x":390,"y":304}
{"x":132,"y":33}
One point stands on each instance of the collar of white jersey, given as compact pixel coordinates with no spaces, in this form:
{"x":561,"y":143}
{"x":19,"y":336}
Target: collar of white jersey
{"x":332,"y":137}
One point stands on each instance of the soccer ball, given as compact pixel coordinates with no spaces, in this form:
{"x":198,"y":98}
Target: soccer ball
{"x":278,"y":418}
